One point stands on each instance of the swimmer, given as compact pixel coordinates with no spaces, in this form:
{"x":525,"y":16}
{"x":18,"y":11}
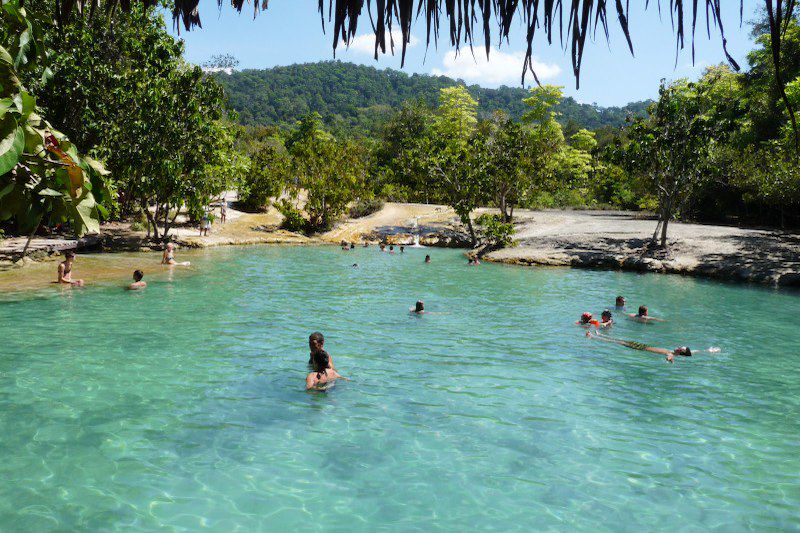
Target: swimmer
{"x":427,"y":259}
{"x":323,"y":372}
{"x":316,"y":344}
{"x":402,"y":249}
{"x":366,"y":244}
{"x":355,"y":265}
{"x":137,"y":281}
{"x":65,"y":271}
{"x":620,"y":303}
{"x":586,"y":321}
{"x":418,"y":309}
{"x":683,"y":351}
{"x":168,"y":257}
{"x":643,"y":317}
{"x":391,"y":248}
{"x":606,"y":319}
{"x":352,"y":246}
{"x":383,"y":247}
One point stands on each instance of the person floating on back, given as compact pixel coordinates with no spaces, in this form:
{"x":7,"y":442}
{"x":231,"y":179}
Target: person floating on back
{"x":683,"y":351}
{"x":137,"y":281}
{"x":643,"y":317}
{"x":587,"y":321}
{"x":168,"y":258}
{"x":65,"y":271}
{"x":316,"y":344}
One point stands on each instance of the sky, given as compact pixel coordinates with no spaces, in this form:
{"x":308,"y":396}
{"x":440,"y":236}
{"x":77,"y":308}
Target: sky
{"x":290,"y":31}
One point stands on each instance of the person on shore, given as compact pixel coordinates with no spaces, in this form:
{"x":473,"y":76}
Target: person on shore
{"x":168,"y":257}
{"x":418,"y":309}
{"x":587,"y":321}
{"x":643,"y":317}
{"x":323,"y":372}
{"x":427,"y":259}
{"x":205,"y":223}
{"x":223,"y":212}
{"x":137,"y":281}
{"x":606,"y":319}
{"x":620,"y":303}
{"x":65,"y":271}
{"x":316,"y":345}
{"x":682,"y":351}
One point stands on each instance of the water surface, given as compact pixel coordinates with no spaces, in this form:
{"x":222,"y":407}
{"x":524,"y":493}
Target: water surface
{"x":183,"y":407}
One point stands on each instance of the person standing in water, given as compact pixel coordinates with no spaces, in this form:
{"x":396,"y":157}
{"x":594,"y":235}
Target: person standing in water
{"x":137,"y":281}
{"x":427,"y":259}
{"x":418,"y":309}
{"x":316,"y":344}
{"x":620,"y":302}
{"x":323,"y":372}
{"x":643,"y":317}
{"x":168,"y":257}
{"x":65,"y":271}
{"x":683,"y":351}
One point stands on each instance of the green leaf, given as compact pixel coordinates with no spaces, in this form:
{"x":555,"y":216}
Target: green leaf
{"x":5,"y":105}
{"x":7,"y":189}
{"x":50,"y":192}
{"x":12,"y":142}
{"x":24,"y":46}
{"x":5,"y":57}
{"x":28,"y":104}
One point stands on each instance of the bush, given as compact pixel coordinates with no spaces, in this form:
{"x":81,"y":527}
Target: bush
{"x":365,"y":207}
{"x":495,"y":232}
{"x":293,"y":219}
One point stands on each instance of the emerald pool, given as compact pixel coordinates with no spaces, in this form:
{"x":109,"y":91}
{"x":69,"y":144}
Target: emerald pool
{"x":183,"y":407}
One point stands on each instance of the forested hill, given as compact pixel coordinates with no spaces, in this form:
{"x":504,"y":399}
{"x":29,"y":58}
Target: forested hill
{"x":358,"y":98}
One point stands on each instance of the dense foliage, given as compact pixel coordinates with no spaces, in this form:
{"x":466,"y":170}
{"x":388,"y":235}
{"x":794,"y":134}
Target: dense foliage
{"x":356,"y":99}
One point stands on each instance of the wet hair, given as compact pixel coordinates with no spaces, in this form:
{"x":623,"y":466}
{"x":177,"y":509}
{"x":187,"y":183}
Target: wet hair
{"x":606,"y":313}
{"x":427,"y":258}
{"x":684,"y":351}
{"x":642,"y":310}
{"x":69,"y":255}
{"x":322,"y":361}
{"x":419,"y":307}
{"x":317,"y":336}
{"x":391,"y":246}
{"x":138,"y":275}
{"x":586,"y":318}
{"x":620,"y":299}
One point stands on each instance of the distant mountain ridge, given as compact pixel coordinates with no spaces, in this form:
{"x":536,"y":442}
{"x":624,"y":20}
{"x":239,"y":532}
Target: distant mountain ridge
{"x":357,"y":98}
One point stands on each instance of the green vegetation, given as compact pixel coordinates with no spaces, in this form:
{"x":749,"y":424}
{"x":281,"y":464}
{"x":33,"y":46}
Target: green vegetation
{"x":357,"y":100}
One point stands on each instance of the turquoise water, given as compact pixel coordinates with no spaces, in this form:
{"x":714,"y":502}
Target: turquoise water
{"x":183,"y":406}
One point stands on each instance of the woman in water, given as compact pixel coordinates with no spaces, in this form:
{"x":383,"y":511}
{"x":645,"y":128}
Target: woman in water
{"x":168,"y":258}
{"x":65,"y":271}
{"x":323,"y":373}
{"x":606,"y":319}
{"x":418,"y":309}
{"x":683,"y":351}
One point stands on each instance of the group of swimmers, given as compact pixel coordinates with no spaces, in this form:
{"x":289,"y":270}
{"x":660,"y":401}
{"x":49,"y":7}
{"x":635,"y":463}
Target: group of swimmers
{"x":65,"y":269}
{"x":642,"y":316}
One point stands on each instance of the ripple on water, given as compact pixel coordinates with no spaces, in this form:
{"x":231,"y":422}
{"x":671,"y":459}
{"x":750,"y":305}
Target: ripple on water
{"x":182,"y":406}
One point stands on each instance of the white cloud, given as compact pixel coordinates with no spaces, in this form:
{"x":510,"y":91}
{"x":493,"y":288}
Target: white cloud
{"x":365,"y":44}
{"x":500,"y":69}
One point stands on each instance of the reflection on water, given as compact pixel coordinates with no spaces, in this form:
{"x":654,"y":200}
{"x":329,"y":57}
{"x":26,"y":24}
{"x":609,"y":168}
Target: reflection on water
{"x":182,"y":405}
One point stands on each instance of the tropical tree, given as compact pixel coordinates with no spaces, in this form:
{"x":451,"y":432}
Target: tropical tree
{"x":43,"y":179}
{"x":671,"y":148}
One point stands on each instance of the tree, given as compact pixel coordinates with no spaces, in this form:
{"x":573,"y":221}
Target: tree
{"x":43,"y":179}
{"x":452,"y":154}
{"x":671,"y":149}
{"x":330,"y":172}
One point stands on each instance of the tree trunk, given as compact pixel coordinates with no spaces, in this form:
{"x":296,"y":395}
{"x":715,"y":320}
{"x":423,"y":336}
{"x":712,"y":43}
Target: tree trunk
{"x":503,"y":208}
{"x":472,"y":232}
{"x":665,"y":216}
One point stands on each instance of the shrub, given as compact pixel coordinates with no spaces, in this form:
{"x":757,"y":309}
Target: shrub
{"x":293,"y":219}
{"x":496,"y":233}
{"x":365,"y":207}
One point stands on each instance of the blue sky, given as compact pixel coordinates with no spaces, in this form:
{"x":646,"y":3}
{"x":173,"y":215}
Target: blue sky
{"x":290,"y":32}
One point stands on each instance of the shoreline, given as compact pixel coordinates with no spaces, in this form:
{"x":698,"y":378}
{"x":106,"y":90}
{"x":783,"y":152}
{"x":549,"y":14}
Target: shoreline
{"x":607,"y":240}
